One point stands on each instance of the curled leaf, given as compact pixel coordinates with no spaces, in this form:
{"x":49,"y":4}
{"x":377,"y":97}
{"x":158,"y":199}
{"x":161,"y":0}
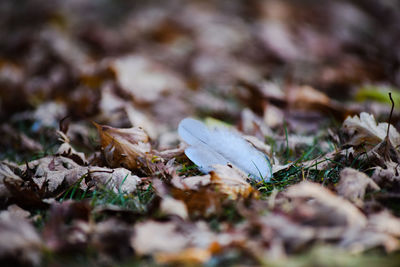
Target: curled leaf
{"x":123,"y":147}
{"x":364,"y":130}
{"x":231,"y":181}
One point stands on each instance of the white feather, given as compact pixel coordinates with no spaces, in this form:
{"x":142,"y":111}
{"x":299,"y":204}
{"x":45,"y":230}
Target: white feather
{"x":222,"y":146}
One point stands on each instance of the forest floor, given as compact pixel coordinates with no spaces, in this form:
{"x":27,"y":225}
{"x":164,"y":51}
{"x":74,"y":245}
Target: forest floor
{"x":93,"y":171}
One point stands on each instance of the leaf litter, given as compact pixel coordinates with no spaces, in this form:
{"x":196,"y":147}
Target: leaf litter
{"x":122,"y":182}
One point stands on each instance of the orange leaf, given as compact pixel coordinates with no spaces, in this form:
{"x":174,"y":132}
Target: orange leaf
{"x":124,"y":147}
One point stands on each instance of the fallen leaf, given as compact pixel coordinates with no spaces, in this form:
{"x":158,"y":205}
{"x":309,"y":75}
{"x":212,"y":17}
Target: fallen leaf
{"x":385,"y":222}
{"x":308,"y":98}
{"x":189,"y":256}
{"x":20,"y":244}
{"x":51,"y":172}
{"x":171,"y":206}
{"x":49,"y":114}
{"x":353,"y":184}
{"x":388,"y":176}
{"x":339,"y":207}
{"x":273,"y":116}
{"x":293,"y":235}
{"x":124,"y":147}
{"x":67,"y":228}
{"x":15,"y":210}
{"x":359,"y":240}
{"x":165,"y":237}
{"x":66,"y":150}
{"x":119,"y":180}
{"x":143,"y":79}
{"x":364,"y":130}
{"x":111,"y":238}
{"x":202,"y":202}
{"x":6,"y":173}
{"x":231,"y":181}
{"x":192,"y":182}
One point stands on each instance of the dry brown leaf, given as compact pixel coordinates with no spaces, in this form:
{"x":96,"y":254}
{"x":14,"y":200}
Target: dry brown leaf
{"x":118,"y":180}
{"x":231,"y":181}
{"x":145,"y":80}
{"x":49,"y":113}
{"x":112,"y":238}
{"x":52,"y":172}
{"x":273,"y":116}
{"x":20,"y":243}
{"x":6,"y":173}
{"x":67,"y":228}
{"x":171,"y":206}
{"x":364,"y":130}
{"x":203,"y":202}
{"x":15,"y":210}
{"x":20,"y":140}
{"x":324,"y":161}
{"x":136,"y":117}
{"x":124,"y":147}
{"x":388,"y":176}
{"x":359,"y":240}
{"x":189,"y":256}
{"x":353,"y":184}
{"x":181,"y":242}
{"x":151,"y":237}
{"x":293,"y":234}
{"x":308,"y":98}
{"x":203,"y":195}
{"x":171,"y":153}
{"x":338,"y":206}
{"x":192,"y":182}
{"x":385,"y":222}
{"x":66,"y":150}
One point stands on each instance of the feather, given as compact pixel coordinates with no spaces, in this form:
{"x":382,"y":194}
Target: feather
{"x":222,"y":146}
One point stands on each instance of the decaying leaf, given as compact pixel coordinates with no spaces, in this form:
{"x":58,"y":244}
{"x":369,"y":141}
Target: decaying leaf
{"x":189,"y":256}
{"x":308,"y":98}
{"x":192,"y":182}
{"x":124,"y":147}
{"x":385,"y":222}
{"x":112,"y":238}
{"x":181,"y":242}
{"x":20,"y":243}
{"x":353,"y":184}
{"x":204,"y":195}
{"x":118,"y":180}
{"x":359,"y":240}
{"x":388,"y":176}
{"x":145,"y":80}
{"x":201,"y":202}
{"x":280,"y":71}
{"x":67,"y":227}
{"x":151,"y":237}
{"x":344,"y":210}
{"x":6,"y":173}
{"x":364,"y":130}
{"x":15,"y":210}
{"x":51,"y":172}
{"x":171,"y":206}
{"x":231,"y":181}
{"x":66,"y":150}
